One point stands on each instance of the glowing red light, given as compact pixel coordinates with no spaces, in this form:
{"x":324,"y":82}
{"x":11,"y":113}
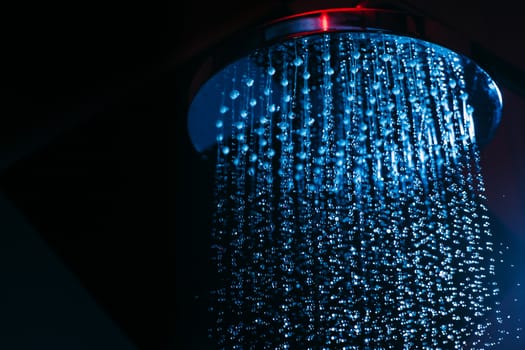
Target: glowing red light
{"x":324,"y":21}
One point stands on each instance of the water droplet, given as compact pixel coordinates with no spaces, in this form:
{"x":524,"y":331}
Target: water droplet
{"x":234,"y":94}
{"x":239,"y":125}
{"x":297,"y":61}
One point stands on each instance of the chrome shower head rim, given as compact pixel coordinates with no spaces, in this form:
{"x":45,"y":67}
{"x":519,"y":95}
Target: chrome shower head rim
{"x":340,"y":20}
{"x":330,"y":20}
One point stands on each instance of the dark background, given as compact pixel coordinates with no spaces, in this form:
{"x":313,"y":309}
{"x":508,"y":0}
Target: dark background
{"x":87,"y":102}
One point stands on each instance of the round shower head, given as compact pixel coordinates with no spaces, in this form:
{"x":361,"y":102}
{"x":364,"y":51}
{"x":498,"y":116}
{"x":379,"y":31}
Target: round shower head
{"x":276,"y":44}
{"x":347,"y":188}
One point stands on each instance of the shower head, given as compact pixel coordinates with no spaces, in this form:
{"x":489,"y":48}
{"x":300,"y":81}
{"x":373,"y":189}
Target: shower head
{"x":250,"y":51}
{"x":347,"y":184}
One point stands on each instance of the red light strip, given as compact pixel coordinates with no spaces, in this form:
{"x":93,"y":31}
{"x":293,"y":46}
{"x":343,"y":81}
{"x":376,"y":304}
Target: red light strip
{"x":324,"y":21}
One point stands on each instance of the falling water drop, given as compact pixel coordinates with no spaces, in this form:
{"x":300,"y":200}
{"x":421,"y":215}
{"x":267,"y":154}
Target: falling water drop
{"x":234,"y":94}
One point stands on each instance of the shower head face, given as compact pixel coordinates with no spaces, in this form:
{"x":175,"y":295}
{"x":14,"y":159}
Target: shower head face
{"x":381,"y":76}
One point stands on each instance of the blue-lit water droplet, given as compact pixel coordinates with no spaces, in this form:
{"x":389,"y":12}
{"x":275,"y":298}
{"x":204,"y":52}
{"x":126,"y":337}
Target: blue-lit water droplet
{"x":239,"y":125}
{"x":234,"y":94}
